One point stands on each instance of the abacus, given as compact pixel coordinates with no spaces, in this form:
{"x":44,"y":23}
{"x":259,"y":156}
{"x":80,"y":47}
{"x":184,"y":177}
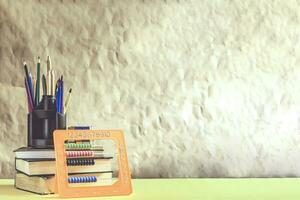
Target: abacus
{"x":78,"y":148}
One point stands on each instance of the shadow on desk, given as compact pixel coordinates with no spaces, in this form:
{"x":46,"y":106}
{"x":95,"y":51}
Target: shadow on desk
{"x":10,"y":190}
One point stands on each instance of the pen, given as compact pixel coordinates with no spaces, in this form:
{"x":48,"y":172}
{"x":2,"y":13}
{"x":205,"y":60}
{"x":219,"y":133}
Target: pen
{"x":30,"y":104}
{"x":58,"y":96}
{"x":62,"y":95}
{"x":27,"y":80}
{"x":26,"y":69}
{"x":30,"y":84}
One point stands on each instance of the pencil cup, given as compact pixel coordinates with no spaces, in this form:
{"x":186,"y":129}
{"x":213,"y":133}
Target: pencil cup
{"x":42,"y":121}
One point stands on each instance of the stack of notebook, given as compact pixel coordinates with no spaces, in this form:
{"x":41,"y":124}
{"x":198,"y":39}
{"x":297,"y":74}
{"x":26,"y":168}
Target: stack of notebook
{"x":35,"y":169}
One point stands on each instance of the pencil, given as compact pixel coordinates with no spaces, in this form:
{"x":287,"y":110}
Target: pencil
{"x":33,"y":88}
{"x":37,"y":89}
{"x":56,"y":87}
{"x":52,"y":83}
{"x":44,"y":85}
{"x":49,"y":83}
{"x":67,"y":101}
{"x":49,"y":75}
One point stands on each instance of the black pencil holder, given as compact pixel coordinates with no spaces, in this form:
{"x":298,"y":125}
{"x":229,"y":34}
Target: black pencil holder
{"x":42,"y":121}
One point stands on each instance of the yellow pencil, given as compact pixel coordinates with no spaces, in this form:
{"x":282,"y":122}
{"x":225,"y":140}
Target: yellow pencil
{"x":49,"y":83}
{"x":67,"y":101}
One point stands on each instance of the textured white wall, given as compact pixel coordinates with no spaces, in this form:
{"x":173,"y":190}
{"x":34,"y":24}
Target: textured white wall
{"x":201,"y":88}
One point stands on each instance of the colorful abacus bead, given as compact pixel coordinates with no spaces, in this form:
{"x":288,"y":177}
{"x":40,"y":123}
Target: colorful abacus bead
{"x":80,"y":161}
{"x":82,"y":179}
{"x":84,"y":145}
{"x":79,"y":153}
{"x":70,"y":179}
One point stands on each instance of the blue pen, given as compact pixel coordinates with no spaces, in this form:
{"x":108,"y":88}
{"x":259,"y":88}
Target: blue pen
{"x":58,"y":96}
{"x":27,"y":80}
{"x":62,"y":95}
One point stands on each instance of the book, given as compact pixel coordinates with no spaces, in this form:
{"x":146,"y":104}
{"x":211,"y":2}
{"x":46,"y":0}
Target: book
{"x":27,"y":153}
{"x":46,"y":184}
{"x":38,"y":167}
{"x":36,"y":184}
{"x":34,"y":153}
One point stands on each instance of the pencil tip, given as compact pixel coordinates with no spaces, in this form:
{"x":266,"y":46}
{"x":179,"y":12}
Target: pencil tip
{"x":70,"y":90}
{"x":39,"y":59}
{"x":24,"y":62}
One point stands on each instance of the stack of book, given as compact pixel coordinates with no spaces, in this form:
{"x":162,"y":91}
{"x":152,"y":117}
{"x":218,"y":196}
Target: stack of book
{"x":35,"y":169}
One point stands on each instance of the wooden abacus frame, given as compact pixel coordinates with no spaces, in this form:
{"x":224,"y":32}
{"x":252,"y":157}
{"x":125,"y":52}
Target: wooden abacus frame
{"x":121,"y":187}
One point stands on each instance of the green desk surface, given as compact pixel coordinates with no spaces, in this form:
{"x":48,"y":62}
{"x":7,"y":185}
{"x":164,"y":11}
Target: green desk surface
{"x":231,"y":189}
